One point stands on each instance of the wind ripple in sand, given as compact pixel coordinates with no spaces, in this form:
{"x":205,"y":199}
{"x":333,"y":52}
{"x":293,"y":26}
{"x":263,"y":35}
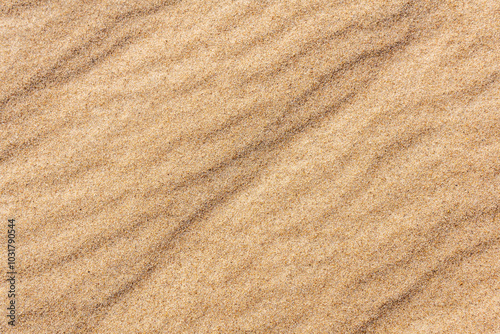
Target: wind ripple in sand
{"x":238,"y":166}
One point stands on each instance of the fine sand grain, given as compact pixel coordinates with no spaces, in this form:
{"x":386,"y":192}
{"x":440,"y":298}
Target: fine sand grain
{"x":251,"y":166}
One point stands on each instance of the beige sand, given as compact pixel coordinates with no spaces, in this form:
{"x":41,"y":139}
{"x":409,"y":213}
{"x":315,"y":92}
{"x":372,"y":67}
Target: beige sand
{"x":251,"y":166}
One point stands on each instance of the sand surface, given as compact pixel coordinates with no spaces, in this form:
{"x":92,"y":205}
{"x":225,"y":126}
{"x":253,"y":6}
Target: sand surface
{"x":251,"y":166}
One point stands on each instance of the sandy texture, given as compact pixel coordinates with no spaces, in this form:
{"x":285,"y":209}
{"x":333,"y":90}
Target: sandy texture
{"x":252,"y":166}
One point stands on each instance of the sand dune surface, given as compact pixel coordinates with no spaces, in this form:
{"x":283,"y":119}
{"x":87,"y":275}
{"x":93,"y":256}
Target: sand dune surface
{"x":251,"y":166}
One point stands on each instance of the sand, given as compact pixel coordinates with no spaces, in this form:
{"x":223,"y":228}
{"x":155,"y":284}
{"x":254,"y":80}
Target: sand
{"x":251,"y":166}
